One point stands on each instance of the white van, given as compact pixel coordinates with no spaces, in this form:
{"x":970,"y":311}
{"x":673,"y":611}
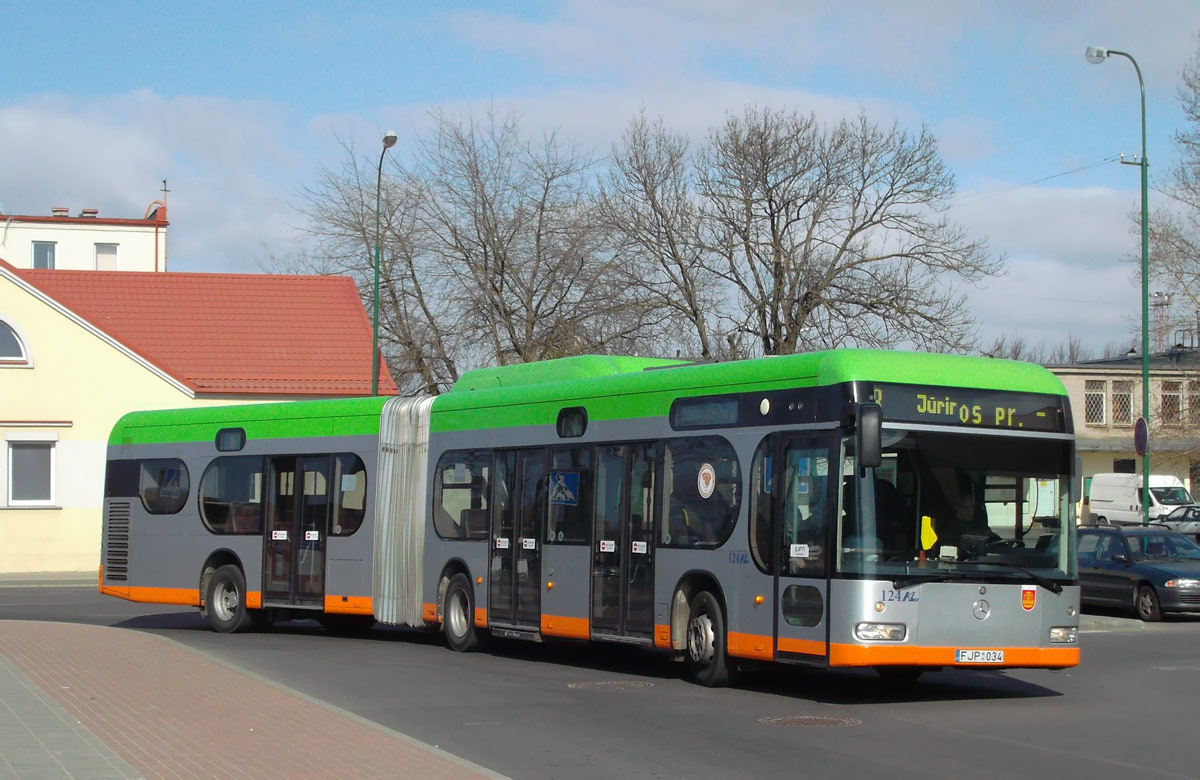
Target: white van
{"x":1117,"y":498}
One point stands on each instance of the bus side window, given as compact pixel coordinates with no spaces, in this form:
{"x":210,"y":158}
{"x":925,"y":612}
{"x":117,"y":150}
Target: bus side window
{"x":762,"y":508}
{"x":570,"y":493}
{"x":349,"y":494}
{"x":460,"y":494}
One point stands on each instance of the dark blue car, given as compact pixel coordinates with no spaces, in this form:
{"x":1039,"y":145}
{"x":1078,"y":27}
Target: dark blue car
{"x":1149,"y":569}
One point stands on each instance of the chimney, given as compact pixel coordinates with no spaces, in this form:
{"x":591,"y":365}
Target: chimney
{"x":88,"y":212}
{"x":60,"y":211}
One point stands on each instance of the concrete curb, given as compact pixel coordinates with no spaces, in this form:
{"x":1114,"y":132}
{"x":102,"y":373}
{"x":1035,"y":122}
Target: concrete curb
{"x":1107,"y":623}
{"x":48,"y":579}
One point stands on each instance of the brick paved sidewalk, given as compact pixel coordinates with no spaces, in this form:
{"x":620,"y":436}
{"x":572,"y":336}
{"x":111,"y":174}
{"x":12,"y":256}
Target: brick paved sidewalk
{"x":146,"y":705}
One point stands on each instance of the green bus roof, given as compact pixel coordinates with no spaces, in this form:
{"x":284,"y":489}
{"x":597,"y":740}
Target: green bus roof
{"x":279,"y":420}
{"x":609,"y":387}
{"x":646,"y":388}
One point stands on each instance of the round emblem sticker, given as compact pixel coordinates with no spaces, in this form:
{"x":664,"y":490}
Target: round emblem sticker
{"x":706,"y":480}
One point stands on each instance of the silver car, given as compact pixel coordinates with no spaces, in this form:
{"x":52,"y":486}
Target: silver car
{"x":1184,"y":520}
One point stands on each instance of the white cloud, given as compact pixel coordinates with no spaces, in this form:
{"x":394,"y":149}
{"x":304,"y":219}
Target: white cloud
{"x":224,"y":162}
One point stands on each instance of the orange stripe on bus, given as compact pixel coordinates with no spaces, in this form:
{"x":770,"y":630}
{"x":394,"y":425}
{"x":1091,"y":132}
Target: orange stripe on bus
{"x":571,"y":627}
{"x":750,"y":646}
{"x":100,"y":580}
{"x":346,"y":605}
{"x":662,"y":637}
{"x":185,"y":596}
{"x":254,"y":599}
{"x":907,"y":655}
{"x":480,"y":617}
{"x":429,"y":613}
{"x":806,"y":646}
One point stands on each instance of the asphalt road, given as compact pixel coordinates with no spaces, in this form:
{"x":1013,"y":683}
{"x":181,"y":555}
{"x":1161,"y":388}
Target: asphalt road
{"x":529,"y":710}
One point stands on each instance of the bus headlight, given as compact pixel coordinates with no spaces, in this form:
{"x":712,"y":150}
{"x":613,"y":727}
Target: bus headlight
{"x":870,"y":632}
{"x":1182,"y":583}
{"x":1060,"y":635}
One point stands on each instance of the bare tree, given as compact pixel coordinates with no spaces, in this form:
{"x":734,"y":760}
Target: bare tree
{"x":514,"y":222}
{"x":648,"y":202}
{"x":340,"y":221}
{"x":837,"y":236}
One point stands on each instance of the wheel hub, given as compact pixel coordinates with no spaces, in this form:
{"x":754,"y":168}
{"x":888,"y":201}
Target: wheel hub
{"x":700,"y":640}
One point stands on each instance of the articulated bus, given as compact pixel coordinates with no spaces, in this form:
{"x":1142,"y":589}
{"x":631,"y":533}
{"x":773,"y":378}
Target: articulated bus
{"x":848,"y":508}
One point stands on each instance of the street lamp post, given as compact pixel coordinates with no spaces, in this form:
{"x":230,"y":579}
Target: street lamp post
{"x":389,"y":140}
{"x":1096,"y":55}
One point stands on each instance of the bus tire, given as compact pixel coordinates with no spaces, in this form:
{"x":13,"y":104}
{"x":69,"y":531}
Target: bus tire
{"x":458,"y":615}
{"x":225,"y":600}
{"x":707,"y":658}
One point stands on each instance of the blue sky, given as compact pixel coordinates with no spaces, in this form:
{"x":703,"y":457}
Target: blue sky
{"x":237,"y":104}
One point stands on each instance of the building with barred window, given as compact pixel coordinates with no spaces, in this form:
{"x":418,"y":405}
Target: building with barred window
{"x":1106,"y":400}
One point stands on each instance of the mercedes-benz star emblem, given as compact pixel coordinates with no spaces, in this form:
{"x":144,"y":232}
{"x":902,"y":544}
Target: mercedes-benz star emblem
{"x":981,"y":609}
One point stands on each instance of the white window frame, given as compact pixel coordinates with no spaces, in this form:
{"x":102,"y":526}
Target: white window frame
{"x":53,"y":252}
{"x":96,"y":254}
{"x":21,"y":437}
{"x":26,"y":360}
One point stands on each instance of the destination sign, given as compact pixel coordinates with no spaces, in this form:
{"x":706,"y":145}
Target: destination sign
{"x":973,"y":408}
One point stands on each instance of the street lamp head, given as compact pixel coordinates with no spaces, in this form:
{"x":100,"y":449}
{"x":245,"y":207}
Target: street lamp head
{"x":389,"y":139}
{"x":1096,"y":54}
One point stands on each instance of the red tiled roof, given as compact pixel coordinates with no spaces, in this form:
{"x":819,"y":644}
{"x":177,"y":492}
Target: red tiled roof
{"x":254,"y":334}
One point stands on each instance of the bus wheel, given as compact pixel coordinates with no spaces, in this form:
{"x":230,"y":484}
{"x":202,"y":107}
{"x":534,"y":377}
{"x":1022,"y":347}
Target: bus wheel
{"x":458,"y":615}
{"x":707,"y":661}
{"x":225,"y":601}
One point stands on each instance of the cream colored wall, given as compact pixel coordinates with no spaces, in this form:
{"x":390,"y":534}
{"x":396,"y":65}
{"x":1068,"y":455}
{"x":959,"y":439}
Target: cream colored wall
{"x":75,"y":244}
{"x":78,"y":378}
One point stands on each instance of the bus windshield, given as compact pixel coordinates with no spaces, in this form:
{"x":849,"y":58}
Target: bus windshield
{"x":950,"y":502}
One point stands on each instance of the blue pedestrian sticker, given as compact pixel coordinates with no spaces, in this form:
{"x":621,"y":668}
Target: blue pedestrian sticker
{"x":564,"y":488}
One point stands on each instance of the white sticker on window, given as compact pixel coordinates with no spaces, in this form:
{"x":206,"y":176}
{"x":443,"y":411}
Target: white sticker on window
{"x":799,"y":551}
{"x":349,"y":483}
{"x":279,"y":536}
{"x":502,"y":544}
{"x":706,"y":480}
{"x":639,"y":547}
{"x":312,"y":536}
{"x":529,"y":544}
{"x":608,"y":545}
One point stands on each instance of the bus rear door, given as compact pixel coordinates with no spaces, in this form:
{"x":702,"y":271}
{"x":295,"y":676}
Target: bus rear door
{"x":294,"y":539}
{"x":516,"y":540}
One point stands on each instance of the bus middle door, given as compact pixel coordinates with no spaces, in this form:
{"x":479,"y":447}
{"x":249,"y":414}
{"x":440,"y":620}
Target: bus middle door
{"x":804,"y":508}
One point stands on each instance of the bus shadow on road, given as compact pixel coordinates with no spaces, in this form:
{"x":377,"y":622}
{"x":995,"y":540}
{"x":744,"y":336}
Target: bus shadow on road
{"x":866,"y":687}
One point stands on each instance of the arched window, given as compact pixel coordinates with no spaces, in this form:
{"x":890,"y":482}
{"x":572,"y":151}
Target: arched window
{"x":12,"y":348}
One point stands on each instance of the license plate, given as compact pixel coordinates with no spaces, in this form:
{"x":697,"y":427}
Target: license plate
{"x":978,"y":656}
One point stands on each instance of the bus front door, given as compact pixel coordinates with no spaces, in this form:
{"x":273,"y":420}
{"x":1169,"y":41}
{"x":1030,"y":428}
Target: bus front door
{"x":516,"y":539}
{"x":294,"y":537}
{"x":804,"y":507}
{"x":623,"y":541}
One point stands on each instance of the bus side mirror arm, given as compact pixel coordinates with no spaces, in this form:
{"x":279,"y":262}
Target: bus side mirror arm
{"x":870,"y":435}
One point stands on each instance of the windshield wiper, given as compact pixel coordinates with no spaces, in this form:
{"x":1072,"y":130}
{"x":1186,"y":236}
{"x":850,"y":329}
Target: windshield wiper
{"x":1034,"y":577}
{"x":900,"y":583}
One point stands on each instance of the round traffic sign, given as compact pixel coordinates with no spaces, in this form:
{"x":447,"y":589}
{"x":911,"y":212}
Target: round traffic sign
{"x":1140,"y":434}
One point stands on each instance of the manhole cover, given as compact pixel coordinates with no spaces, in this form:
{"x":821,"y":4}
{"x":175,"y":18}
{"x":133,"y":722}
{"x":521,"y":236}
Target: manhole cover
{"x":812,"y":721}
{"x":611,"y":685}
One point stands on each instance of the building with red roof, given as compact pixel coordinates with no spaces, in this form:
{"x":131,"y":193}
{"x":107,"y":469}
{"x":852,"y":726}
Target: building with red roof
{"x":80,"y":348}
